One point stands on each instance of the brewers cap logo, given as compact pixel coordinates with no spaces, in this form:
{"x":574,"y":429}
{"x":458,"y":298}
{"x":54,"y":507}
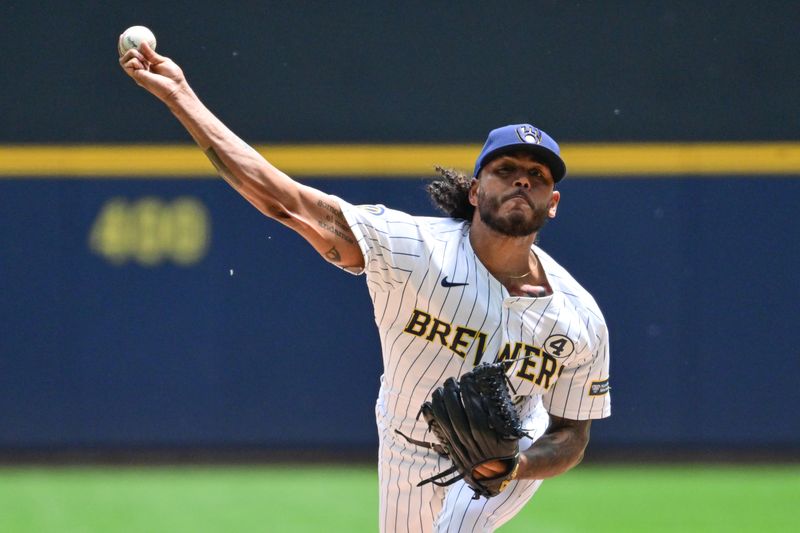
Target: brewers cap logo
{"x":529,"y":134}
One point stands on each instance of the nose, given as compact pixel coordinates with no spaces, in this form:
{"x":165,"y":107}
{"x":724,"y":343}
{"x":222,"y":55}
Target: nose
{"x":522,"y":181}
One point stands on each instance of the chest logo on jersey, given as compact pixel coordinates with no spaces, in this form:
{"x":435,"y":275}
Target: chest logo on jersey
{"x":531,"y":363}
{"x":446,"y":283}
{"x":432,"y":329}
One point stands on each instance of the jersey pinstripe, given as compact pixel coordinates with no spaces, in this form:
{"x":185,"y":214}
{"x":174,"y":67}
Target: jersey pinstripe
{"x":439,"y":312}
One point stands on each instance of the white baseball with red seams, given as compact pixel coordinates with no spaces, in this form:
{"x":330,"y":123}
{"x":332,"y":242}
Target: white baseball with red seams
{"x":133,"y":37}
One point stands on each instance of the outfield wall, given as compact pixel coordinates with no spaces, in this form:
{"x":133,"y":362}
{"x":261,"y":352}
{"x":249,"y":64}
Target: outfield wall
{"x":411,"y":71}
{"x":121,"y":327}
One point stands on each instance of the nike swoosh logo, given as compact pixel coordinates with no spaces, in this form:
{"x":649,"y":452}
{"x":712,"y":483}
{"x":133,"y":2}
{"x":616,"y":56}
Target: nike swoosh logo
{"x":446,"y":283}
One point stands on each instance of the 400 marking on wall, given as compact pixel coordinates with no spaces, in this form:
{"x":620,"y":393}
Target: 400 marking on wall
{"x":150,"y":230}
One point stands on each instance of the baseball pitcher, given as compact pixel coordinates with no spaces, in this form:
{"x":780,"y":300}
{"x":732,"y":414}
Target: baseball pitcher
{"x":495,"y":359}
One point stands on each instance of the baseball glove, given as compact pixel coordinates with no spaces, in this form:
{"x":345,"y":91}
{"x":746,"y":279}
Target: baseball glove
{"x":474,"y":422}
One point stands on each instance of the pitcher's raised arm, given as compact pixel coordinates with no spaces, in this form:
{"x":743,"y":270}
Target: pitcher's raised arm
{"x":310,"y":212}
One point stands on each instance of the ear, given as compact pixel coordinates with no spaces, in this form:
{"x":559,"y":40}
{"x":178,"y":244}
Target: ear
{"x":473,"y":192}
{"x":552,"y":206}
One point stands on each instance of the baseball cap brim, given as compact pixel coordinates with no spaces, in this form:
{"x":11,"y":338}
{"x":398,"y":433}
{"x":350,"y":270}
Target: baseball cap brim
{"x":556,"y":165}
{"x":528,"y":138}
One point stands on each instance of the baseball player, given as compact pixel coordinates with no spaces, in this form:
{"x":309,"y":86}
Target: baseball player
{"x":448,"y":294}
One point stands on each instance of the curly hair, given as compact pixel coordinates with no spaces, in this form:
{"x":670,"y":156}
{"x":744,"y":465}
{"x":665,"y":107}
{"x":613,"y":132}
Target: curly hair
{"x":450,"y":193}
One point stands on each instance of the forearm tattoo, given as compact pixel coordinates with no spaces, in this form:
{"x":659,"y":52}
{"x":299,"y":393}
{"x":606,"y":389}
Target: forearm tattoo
{"x":558,"y":450}
{"x":222,"y":169}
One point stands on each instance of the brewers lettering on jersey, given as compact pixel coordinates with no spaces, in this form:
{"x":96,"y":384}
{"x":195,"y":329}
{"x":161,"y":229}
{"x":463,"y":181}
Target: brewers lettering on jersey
{"x":448,"y":294}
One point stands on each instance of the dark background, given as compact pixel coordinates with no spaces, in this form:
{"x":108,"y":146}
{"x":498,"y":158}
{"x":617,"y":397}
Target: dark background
{"x":696,"y":275}
{"x":411,"y":71}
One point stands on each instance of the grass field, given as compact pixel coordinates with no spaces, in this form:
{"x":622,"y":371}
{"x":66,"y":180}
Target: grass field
{"x":344,"y":499}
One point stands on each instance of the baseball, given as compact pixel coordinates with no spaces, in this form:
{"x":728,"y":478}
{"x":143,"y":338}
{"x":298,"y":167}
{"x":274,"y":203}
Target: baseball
{"x":133,"y":37}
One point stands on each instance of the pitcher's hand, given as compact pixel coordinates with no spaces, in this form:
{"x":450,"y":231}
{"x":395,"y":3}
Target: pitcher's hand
{"x":156,"y":73}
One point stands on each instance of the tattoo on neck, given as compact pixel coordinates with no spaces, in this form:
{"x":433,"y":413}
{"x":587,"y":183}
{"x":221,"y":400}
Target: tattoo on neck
{"x":222,"y":169}
{"x":333,"y":255}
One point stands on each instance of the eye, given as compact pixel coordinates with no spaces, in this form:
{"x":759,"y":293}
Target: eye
{"x":505,"y":169}
{"x":539,"y":176}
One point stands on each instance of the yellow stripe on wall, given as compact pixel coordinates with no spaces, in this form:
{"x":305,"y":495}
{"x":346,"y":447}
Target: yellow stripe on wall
{"x":397,"y":160}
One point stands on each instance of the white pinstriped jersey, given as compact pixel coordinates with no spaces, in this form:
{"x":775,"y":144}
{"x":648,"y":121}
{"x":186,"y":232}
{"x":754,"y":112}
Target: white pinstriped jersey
{"x":439,"y":313}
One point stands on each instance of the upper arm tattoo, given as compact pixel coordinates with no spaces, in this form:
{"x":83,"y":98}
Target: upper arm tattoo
{"x":333,"y":255}
{"x":334,"y":222}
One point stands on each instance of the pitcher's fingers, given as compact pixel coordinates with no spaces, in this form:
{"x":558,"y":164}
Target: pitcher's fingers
{"x":490,"y":469}
{"x":133,"y":64}
{"x":150,"y":54}
{"x":142,"y":76}
{"x":132,"y":53}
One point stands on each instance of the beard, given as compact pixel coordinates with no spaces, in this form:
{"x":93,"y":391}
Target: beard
{"x":514,"y":224}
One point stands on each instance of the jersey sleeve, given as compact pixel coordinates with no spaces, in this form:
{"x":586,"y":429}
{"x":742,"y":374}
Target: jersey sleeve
{"x":582,"y":391}
{"x":390,"y":241}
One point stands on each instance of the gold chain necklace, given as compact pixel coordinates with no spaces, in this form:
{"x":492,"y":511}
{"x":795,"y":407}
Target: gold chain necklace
{"x":509,"y":276}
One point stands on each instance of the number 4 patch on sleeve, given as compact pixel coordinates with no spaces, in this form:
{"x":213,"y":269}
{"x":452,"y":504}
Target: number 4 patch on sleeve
{"x":559,"y":346}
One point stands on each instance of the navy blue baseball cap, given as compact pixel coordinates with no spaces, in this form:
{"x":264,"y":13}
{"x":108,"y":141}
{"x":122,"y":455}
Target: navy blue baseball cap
{"x":523,"y":137}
